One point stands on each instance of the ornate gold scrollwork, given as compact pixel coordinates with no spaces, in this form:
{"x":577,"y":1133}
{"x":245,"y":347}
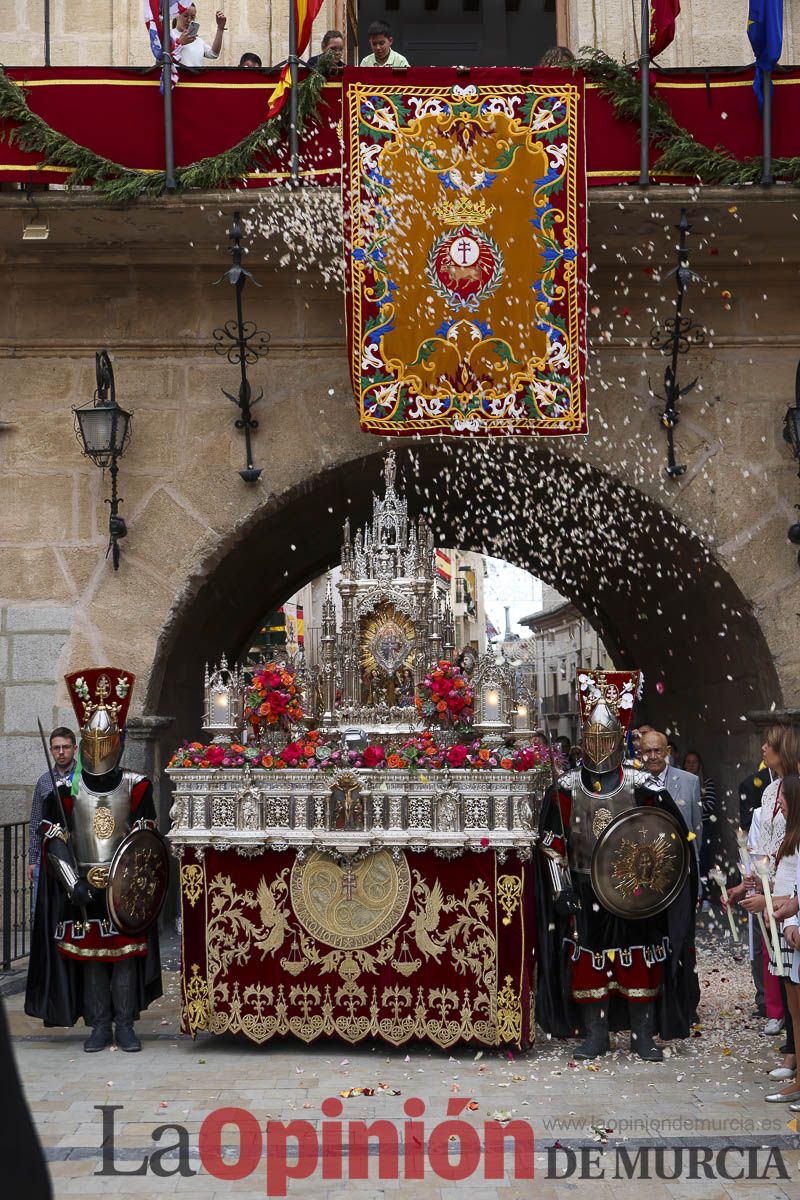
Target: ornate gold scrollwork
{"x":509,"y":895}
{"x":509,"y":1013}
{"x":192,"y":882}
{"x":103,"y":823}
{"x":462,"y":926}
{"x":196,"y":1008}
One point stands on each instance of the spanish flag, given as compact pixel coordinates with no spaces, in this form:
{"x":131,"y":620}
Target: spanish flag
{"x":444,"y":565}
{"x":305,"y":12}
{"x":663,"y":15}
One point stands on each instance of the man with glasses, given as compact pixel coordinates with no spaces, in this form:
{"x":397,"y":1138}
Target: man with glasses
{"x":683,"y":787}
{"x":63,"y":746}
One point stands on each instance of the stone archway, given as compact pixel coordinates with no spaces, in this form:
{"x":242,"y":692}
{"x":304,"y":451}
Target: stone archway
{"x":651,"y":588}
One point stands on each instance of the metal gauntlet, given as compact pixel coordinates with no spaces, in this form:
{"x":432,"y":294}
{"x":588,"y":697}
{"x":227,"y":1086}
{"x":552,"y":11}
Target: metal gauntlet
{"x":60,"y":859}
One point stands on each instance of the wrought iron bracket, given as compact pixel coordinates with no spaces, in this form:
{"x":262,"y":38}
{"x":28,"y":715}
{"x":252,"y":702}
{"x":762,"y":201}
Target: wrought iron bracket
{"x":243,"y":344}
{"x":676,"y":336}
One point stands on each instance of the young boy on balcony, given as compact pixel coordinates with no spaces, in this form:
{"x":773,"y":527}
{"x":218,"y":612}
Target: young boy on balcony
{"x":380,"y":39}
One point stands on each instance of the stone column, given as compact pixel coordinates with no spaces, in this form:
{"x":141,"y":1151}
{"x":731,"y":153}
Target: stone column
{"x":143,"y":753}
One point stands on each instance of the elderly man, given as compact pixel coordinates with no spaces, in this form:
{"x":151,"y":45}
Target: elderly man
{"x":683,"y":787}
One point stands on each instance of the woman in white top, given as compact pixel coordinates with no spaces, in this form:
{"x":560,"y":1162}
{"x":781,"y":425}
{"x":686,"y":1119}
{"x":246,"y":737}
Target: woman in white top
{"x":780,"y":752}
{"x":788,"y":908}
{"x":193,"y":49}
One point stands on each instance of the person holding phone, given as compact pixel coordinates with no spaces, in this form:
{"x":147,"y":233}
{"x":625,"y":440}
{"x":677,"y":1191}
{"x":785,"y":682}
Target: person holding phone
{"x":193,"y":49}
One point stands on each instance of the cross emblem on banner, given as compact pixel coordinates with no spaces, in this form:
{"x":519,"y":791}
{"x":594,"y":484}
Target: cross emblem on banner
{"x":348,"y":883}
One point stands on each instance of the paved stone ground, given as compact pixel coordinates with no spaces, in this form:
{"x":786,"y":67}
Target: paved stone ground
{"x":707,"y":1093}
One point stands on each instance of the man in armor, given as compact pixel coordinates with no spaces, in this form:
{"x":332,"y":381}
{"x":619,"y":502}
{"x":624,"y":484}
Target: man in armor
{"x":598,"y":969}
{"x":81,"y":963}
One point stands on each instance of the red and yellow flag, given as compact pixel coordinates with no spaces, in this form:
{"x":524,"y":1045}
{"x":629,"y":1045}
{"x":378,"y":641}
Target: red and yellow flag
{"x":663,"y":15}
{"x":305,"y":12}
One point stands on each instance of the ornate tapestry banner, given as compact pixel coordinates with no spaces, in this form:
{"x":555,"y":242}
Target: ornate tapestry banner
{"x":392,"y":946}
{"x":465,"y":250}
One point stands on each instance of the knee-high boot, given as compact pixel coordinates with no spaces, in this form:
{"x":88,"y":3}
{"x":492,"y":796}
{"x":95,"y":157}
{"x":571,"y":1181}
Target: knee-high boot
{"x":123,"y":995}
{"x":97,"y":1005}
{"x":643,"y":1024}
{"x":595,"y":1018}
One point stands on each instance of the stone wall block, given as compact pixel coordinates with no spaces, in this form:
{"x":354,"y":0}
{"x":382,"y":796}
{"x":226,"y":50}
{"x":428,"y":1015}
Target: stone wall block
{"x":15,"y":802}
{"x":36,"y":507}
{"x":21,"y":759}
{"x":23,"y":703}
{"x":30,"y":573}
{"x":166,"y":534}
{"x":35,"y":656}
{"x":31,"y":618}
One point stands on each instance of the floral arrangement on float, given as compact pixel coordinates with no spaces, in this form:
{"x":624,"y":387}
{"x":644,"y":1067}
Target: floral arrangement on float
{"x":446,"y":697}
{"x":316,"y":752}
{"x":275,"y":698}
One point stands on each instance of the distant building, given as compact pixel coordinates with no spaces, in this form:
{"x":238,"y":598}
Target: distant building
{"x":562,"y":641}
{"x":464,"y":572}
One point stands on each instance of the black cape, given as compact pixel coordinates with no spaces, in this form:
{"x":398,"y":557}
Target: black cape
{"x":24,"y":1169}
{"x":54,"y":990}
{"x":676,"y":1006}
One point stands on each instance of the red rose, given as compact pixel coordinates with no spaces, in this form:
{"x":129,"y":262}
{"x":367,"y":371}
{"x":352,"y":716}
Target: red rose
{"x":292,"y":754}
{"x":373,"y":756}
{"x":278,"y":702}
{"x":215,"y":755}
{"x":457,"y":755}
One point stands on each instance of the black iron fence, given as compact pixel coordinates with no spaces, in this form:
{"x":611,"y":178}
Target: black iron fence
{"x":17,"y":894}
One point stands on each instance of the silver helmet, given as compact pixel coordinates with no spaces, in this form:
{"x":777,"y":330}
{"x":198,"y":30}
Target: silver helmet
{"x":602,"y":739}
{"x":101,"y":742}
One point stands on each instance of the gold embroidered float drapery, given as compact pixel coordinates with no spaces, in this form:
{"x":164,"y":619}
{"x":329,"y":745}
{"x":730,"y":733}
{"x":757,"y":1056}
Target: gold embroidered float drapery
{"x":394,"y":947}
{"x":465,"y":251}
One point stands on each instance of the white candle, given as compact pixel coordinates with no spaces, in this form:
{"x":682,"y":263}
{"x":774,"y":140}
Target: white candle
{"x":762,"y":865}
{"x":718,"y":877}
{"x":747,"y":868}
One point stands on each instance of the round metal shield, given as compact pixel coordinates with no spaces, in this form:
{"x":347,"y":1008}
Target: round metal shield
{"x":138,"y":881}
{"x":640,"y":863}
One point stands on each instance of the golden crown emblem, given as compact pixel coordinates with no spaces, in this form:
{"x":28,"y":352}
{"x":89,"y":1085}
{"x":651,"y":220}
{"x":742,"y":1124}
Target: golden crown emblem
{"x":463,"y":211}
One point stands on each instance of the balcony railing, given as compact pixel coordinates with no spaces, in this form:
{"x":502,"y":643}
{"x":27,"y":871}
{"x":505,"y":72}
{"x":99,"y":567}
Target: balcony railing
{"x":117,"y":114}
{"x":15,"y":900}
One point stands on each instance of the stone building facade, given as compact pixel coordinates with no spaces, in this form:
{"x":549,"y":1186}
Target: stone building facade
{"x":691,"y":579}
{"x":104,"y":33}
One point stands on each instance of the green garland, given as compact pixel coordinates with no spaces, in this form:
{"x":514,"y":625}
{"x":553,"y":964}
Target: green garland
{"x":122,"y":184}
{"x":681,"y":154}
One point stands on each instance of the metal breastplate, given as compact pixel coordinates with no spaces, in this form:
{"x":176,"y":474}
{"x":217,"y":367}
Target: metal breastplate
{"x":100,"y":820}
{"x":591,"y":812}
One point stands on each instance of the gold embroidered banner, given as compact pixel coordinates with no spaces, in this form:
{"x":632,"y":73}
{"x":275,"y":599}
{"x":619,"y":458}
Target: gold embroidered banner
{"x":418,"y":947}
{"x":465,"y":221}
